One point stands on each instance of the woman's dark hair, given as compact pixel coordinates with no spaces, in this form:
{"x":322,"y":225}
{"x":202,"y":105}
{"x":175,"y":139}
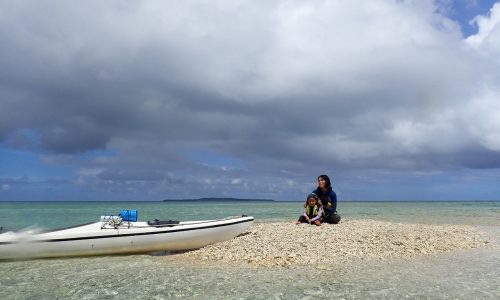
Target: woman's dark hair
{"x":327,"y":180}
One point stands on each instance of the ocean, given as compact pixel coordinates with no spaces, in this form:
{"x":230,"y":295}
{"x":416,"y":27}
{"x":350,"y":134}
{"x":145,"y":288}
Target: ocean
{"x":464,"y":274}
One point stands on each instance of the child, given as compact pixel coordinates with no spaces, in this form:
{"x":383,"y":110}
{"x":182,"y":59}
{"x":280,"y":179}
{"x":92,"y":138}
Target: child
{"x":312,"y":211}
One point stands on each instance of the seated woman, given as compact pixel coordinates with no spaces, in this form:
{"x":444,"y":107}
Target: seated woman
{"x":328,"y":198}
{"x":312,"y":211}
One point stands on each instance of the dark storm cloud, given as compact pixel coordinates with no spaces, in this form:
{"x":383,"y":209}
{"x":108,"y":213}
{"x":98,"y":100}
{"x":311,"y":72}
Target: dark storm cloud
{"x":284,"y":86}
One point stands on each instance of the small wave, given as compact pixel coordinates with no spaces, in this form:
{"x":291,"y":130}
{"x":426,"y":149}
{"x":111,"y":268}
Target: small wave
{"x":24,"y":235}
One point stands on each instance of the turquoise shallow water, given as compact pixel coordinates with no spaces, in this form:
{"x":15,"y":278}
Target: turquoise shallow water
{"x":17,"y":215}
{"x":471,"y":274}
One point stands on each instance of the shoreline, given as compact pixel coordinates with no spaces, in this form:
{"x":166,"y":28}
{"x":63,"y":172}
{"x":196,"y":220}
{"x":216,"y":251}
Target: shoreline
{"x":287,"y":244}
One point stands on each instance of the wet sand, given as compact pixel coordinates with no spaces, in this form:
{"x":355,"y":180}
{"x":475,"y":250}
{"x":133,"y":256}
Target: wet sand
{"x":286,"y":244}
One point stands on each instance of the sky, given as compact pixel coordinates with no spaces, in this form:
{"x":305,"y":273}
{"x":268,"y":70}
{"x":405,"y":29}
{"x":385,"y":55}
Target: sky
{"x":152,"y":100}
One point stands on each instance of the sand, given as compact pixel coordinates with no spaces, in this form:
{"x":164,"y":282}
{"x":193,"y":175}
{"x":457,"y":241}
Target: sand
{"x":286,"y":244}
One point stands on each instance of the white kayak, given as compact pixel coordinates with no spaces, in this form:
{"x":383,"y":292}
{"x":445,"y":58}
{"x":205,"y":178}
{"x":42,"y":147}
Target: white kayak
{"x":114,"y":236}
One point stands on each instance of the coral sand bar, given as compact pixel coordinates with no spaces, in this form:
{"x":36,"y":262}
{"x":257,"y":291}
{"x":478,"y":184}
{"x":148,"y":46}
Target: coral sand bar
{"x":285,"y":244}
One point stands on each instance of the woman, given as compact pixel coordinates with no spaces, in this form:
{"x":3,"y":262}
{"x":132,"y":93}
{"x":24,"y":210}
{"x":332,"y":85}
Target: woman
{"x":328,"y":199}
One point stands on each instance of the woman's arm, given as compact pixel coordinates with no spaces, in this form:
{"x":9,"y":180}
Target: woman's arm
{"x":333,"y":197}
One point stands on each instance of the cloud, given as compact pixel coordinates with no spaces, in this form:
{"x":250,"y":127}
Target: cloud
{"x":488,"y":35}
{"x":286,"y":87}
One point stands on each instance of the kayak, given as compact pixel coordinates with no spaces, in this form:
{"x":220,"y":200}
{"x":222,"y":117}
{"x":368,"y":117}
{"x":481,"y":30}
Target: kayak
{"x":121,"y":234}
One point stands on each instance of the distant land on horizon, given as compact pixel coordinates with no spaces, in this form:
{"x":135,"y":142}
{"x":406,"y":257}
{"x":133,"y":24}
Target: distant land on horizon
{"x":215,"y":199}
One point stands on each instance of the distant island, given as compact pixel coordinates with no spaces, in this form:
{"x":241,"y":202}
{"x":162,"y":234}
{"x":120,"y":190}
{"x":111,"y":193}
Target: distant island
{"x":214,"y":199}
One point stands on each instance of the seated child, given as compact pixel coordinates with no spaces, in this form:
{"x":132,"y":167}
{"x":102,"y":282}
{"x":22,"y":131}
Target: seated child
{"x":312,"y":211}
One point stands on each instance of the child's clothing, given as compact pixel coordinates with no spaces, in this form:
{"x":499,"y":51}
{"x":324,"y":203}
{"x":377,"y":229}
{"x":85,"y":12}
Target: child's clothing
{"x":313,"y":212}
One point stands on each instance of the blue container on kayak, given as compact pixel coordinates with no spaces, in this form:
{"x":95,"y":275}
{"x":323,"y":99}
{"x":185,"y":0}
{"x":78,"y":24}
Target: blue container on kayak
{"x":129,"y":215}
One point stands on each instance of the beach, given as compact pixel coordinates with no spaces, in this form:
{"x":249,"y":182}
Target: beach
{"x":288,"y":244}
